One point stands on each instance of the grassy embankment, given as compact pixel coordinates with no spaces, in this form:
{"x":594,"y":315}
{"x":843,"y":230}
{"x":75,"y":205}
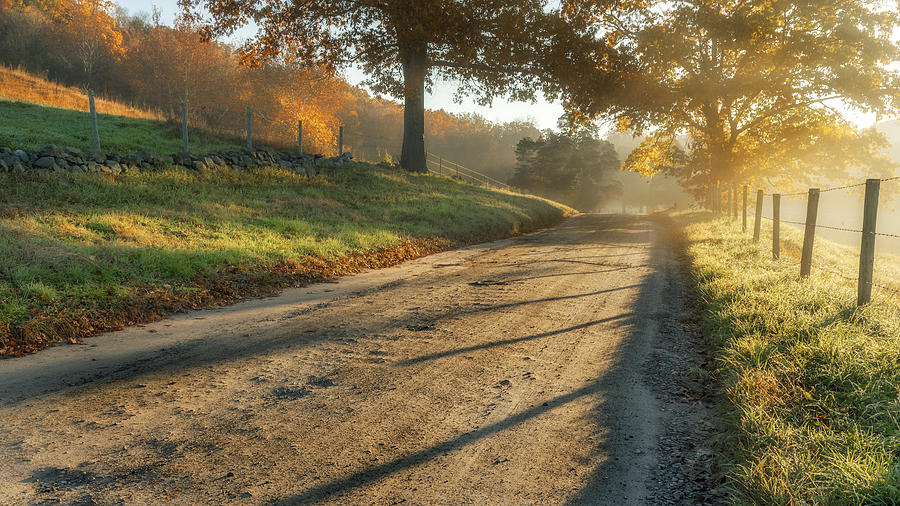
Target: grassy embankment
{"x":86,"y":253}
{"x":813,"y":383}
{"x":35,"y":112}
{"x":81,"y":254}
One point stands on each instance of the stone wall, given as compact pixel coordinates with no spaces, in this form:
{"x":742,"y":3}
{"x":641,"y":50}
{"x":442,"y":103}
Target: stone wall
{"x":52,"y":158}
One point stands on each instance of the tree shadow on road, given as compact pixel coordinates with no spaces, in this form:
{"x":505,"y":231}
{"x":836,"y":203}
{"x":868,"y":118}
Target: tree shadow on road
{"x":624,"y":411}
{"x":504,"y":342}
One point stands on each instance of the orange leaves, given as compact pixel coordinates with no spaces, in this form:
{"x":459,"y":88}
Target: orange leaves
{"x":150,"y":303}
{"x":95,"y":19}
{"x":93,"y":27}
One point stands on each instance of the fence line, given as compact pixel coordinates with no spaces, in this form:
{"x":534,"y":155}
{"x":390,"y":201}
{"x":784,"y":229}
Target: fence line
{"x":245,"y":132}
{"x":180,"y":113}
{"x":461,"y":171}
{"x":869,"y":232}
{"x":473,"y":172}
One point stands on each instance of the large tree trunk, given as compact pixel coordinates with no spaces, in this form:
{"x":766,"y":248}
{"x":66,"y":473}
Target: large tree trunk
{"x":412,"y":157}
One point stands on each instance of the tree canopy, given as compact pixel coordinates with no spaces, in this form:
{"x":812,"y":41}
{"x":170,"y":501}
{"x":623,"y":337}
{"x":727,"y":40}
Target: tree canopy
{"x":755,"y":90}
{"x":493,"y":47}
{"x":157,"y":67}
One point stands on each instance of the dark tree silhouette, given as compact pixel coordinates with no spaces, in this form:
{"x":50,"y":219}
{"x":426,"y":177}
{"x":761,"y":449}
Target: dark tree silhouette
{"x":575,"y":169}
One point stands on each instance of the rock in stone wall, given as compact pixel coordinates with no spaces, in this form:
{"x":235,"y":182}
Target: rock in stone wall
{"x":52,"y":158}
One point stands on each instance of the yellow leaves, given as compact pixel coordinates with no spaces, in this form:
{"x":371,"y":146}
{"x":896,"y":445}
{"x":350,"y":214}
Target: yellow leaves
{"x":93,"y":25}
{"x":657,"y":153}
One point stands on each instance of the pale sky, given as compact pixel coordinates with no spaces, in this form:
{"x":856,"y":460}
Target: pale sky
{"x":543,"y":113}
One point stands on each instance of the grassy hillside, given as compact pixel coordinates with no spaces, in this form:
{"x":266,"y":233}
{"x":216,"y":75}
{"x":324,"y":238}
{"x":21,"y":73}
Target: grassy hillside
{"x":813,"y":383}
{"x":84,"y":253}
{"x":30,"y":126}
{"x":17,"y":85}
{"x":35,"y":112}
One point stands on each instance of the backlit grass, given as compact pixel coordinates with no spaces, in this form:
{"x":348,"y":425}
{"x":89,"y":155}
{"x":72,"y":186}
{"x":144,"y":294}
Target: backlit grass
{"x":29,"y":126}
{"x":813,"y":382}
{"x":20,"y":86}
{"x":35,"y":112}
{"x":97,"y":242}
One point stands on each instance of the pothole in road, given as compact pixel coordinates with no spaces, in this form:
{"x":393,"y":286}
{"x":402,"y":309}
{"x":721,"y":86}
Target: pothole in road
{"x":488,"y":282}
{"x":320,"y":381}
{"x":290,"y":393}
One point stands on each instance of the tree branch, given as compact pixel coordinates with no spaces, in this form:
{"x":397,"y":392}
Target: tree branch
{"x":788,"y":107}
{"x":480,"y":66}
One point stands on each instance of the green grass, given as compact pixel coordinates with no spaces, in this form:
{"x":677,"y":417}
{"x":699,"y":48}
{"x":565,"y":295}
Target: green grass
{"x":813,"y":384}
{"x":78,"y":244}
{"x":30,"y":126}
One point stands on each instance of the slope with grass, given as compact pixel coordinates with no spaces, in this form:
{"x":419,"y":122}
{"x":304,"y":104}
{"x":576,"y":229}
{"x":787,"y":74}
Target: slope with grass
{"x":29,"y":126}
{"x":813,"y":383}
{"x":86,"y":253}
{"x":17,"y":85}
{"x":35,"y":111}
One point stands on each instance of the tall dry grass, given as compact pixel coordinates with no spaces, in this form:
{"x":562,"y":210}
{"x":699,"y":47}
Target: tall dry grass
{"x":18,"y":84}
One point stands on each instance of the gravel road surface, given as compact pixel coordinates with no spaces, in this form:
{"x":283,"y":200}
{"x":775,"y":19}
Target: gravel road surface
{"x":547,"y":368}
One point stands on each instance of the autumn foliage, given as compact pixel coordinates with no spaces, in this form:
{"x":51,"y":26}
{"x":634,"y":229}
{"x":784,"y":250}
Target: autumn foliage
{"x":491,"y":48}
{"x":747,"y":92}
{"x":138,"y":60}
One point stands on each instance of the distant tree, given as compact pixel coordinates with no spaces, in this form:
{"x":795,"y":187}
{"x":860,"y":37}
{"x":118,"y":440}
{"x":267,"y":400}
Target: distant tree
{"x":282,"y":94}
{"x":92,"y":25}
{"x":493,"y":46}
{"x":23,"y":35}
{"x":755,"y":88}
{"x":576,"y":169}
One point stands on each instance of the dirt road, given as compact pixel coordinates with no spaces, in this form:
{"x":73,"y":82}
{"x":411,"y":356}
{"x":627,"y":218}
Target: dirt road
{"x":547,"y":368}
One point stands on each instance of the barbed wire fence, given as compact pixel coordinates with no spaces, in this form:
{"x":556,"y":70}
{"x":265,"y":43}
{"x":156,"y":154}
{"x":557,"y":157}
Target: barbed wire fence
{"x":441,"y":166}
{"x":240,"y":133}
{"x":865,"y":278}
{"x":237,"y":128}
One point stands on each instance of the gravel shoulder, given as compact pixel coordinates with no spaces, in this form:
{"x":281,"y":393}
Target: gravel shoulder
{"x":547,"y":368}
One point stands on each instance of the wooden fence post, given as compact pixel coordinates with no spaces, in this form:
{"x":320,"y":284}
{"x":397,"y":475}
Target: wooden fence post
{"x":300,"y":136}
{"x":340,"y":141}
{"x":249,"y":129}
{"x":809,"y":234}
{"x":734,"y":201}
{"x":734,"y":197}
{"x":776,"y":226}
{"x":95,"y":132}
{"x":867,"y":250}
{"x":441,"y":166}
{"x":745,"y":210}
{"x":758,"y":218}
{"x":729,"y":194}
{"x":184,"y":132}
